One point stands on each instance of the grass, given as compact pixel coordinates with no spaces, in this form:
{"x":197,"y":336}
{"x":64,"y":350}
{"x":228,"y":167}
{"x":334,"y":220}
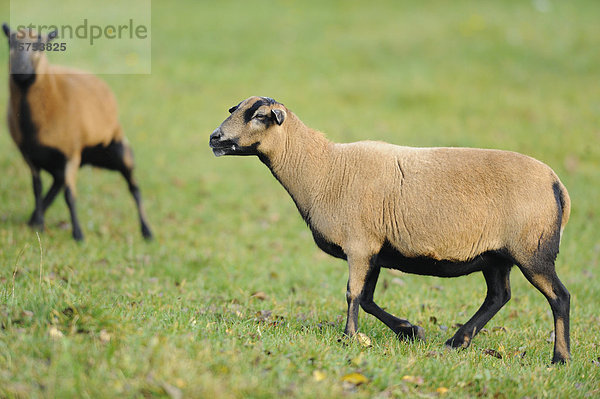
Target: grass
{"x":233,"y":299}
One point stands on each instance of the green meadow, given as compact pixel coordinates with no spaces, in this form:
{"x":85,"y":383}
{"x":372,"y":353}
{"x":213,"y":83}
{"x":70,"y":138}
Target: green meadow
{"x":233,"y":299}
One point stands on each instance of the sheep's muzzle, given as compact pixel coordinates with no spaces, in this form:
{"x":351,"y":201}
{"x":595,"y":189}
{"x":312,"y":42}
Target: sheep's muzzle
{"x":223,"y":146}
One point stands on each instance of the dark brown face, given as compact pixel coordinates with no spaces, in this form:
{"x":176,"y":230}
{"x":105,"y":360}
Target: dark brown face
{"x":252,"y":122}
{"x":25,"y":51}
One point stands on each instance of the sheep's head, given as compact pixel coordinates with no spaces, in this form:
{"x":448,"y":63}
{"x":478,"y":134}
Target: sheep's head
{"x":25,"y":52}
{"x":253,"y":126}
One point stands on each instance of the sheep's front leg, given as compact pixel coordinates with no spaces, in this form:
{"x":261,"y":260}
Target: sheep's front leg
{"x":358,"y":267}
{"x":363,"y":275}
{"x":37,"y":217}
{"x":403,"y":328}
{"x":357,"y":270}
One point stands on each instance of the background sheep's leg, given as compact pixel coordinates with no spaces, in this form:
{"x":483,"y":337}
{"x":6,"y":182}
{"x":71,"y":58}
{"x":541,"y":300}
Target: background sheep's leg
{"x":135,"y":193}
{"x":559,"y":299}
{"x":37,"y":217}
{"x":124,"y":163}
{"x":402,"y":328}
{"x":57,"y":185}
{"x":497,"y":278}
{"x":70,"y":178}
{"x":119,"y":156}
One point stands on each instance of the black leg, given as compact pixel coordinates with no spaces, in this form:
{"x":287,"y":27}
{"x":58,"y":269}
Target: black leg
{"x":402,"y":328}
{"x":70,"y":199}
{"x":71,"y":169}
{"x":498,"y":294}
{"x":119,"y":156}
{"x":125,"y":165}
{"x":135,"y":192}
{"x":57,"y":185}
{"x":37,"y":217}
{"x":544,"y":278}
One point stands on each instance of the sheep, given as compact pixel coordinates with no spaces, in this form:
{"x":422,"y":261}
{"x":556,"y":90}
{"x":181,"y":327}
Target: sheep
{"x":60,"y":119}
{"x":443,"y":212}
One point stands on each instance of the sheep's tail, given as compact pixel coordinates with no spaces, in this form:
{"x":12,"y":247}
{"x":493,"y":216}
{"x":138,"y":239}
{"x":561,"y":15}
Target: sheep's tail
{"x":563,"y":202}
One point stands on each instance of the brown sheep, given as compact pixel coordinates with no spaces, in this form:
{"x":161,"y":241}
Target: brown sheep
{"x":443,"y":212}
{"x":61,"y":119}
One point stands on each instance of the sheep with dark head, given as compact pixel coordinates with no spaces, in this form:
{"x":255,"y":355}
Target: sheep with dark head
{"x":61,"y":119}
{"x":443,"y":212}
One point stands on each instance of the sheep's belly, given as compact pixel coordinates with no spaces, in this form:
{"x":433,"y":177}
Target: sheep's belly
{"x":391,"y":258}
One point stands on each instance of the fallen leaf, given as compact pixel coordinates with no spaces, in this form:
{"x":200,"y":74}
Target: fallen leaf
{"x":355,"y":379}
{"x":173,"y":392}
{"x":411,"y":379}
{"x":364,"y":340}
{"x":442,"y":390}
{"x":433,"y":319}
{"x":318,"y":375}
{"x":104,"y":336}
{"x":179,"y":382}
{"x":259,"y":295}
{"x":492,"y":352}
{"x":55,"y":332}
{"x":358,"y":360}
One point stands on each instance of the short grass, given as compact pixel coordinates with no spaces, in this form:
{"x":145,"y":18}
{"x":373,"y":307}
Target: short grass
{"x":118,"y":317}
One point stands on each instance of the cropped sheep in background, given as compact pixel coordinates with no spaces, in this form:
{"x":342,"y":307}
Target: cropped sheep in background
{"x":443,"y":212}
{"x":60,"y":119}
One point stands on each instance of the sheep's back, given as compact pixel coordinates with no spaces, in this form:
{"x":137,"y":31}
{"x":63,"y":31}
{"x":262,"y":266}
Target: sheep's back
{"x":73,"y":109}
{"x":453,"y":203}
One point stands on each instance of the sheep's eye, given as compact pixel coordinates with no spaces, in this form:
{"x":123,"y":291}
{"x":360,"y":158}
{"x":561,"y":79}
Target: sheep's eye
{"x":260,"y":116}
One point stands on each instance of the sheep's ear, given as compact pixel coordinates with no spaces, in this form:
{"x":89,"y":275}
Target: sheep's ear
{"x":232,"y":109}
{"x":6,"y":29}
{"x":279,"y":115}
{"x":52,"y":35}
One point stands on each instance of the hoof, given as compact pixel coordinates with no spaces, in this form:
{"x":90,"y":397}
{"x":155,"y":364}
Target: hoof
{"x":559,"y":360}
{"x":147,"y":234}
{"x":413,"y":333}
{"x":419,"y":333}
{"x":36,"y":223}
{"x":458,"y":343}
{"x":77,"y":236}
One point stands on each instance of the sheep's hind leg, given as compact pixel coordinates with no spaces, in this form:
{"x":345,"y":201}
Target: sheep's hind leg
{"x":497,"y":278}
{"x":70,"y":176}
{"x":125,"y":166}
{"x":402,"y":328}
{"x":544,"y":278}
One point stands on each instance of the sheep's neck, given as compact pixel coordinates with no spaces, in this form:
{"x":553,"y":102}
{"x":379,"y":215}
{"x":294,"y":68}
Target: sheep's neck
{"x":301,"y":165}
